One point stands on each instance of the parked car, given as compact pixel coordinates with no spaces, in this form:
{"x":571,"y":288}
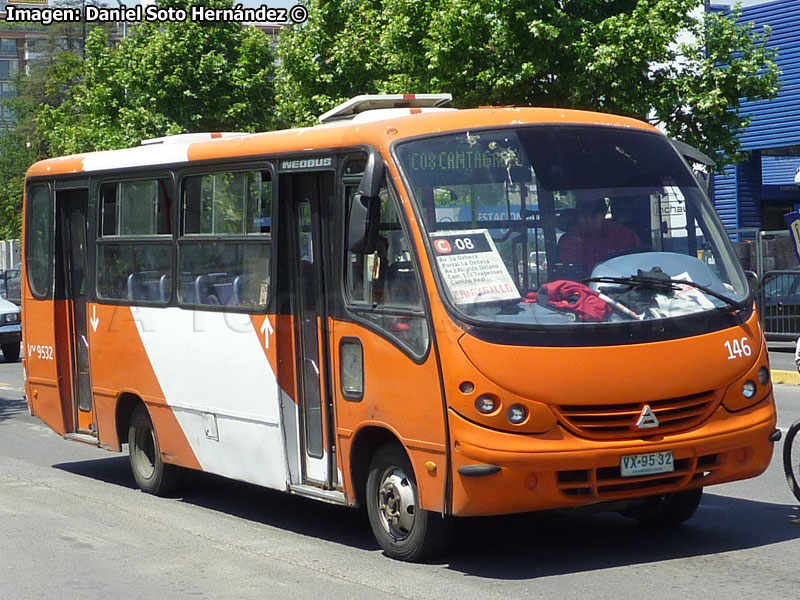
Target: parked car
{"x":10,"y":284}
{"x":10,"y":330}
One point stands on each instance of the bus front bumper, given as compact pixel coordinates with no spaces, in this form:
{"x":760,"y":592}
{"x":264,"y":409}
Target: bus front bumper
{"x":499,"y":473}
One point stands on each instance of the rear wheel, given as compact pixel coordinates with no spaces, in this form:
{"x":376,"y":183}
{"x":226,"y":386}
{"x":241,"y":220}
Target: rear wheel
{"x":666,"y":510}
{"x":149,"y":471}
{"x":791,"y":458}
{"x":403,"y":529}
{"x":10,"y":352}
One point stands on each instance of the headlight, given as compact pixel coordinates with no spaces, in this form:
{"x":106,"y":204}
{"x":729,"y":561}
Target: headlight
{"x":485,"y":404}
{"x":517,"y":414}
{"x":10,"y":318}
{"x":749,"y":389}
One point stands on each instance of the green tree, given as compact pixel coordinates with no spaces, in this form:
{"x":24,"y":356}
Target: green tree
{"x":163,"y":79}
{"x":660,"y":60}
{"x":44,"y":83}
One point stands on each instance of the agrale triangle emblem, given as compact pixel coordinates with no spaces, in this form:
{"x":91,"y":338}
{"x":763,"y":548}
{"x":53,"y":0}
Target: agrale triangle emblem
{"x":647,"y":418}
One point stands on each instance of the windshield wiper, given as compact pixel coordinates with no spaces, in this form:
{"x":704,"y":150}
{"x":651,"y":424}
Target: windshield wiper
{"x":656,"y":282}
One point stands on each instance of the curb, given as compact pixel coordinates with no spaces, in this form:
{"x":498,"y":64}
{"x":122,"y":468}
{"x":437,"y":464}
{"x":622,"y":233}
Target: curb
{"x":786,"y":377}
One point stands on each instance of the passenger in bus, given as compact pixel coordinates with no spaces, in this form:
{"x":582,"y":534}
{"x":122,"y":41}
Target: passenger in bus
{"x":593,"y":237}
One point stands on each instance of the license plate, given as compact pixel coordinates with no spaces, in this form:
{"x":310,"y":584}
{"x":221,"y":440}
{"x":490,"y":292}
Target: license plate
{"x":647,"y":464}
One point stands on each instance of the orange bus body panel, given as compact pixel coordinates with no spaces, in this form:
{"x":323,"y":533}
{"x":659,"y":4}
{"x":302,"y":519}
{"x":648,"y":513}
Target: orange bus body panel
{"x":43,"y":324}
{"x":399,"y":396}
{"x":529,"y":372}
{"x":719,"y":449}
{"x":530,"y":478}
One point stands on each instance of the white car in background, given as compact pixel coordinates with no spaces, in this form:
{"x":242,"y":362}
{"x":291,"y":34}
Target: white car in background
{"x":10,"y":284}
{"x":10,"y":330}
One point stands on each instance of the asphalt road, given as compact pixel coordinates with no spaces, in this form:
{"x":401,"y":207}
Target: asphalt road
{"x":74,"y":526}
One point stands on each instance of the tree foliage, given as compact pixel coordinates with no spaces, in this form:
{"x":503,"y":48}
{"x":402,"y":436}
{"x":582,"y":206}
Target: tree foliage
{"x":45,"y":84}
{"x":163,"y":79}
{"x":661,"y":60}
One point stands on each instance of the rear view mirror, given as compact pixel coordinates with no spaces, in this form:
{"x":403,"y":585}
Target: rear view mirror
{"x":694,"y":157}
{"x":753,"y":283}
{"x":365,"y":211}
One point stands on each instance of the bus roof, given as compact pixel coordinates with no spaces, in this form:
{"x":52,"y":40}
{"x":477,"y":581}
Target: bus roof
{"x":372,"y":130}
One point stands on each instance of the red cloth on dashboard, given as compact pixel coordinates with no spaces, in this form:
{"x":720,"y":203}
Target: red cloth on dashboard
{"x":574,"y":297}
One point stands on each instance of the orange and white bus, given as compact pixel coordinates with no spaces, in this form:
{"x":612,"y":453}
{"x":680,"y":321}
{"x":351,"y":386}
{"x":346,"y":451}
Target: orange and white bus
{"x":425,"y":311}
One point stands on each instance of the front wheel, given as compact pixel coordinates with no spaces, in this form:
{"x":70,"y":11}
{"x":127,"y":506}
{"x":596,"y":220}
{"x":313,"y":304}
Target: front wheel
{"x":403,"y":529}
{"x":152,"y":475}
{"x":791,"y":458}
{"x":667,"y":510}
{"x":10,"y":352}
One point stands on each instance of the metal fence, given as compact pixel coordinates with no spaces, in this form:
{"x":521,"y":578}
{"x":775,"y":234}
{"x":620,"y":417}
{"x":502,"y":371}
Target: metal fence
{"x":771,"y":255}
{"x":779,"y":304}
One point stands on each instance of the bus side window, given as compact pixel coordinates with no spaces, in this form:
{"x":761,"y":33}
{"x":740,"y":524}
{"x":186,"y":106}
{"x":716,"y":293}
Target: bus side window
{"x":134,"y":249}
{"x":39,"y":245}
{"x":383,"y":286}
{"x":225,"y":244}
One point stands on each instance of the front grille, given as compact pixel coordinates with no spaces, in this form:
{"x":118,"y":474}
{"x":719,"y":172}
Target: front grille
{"x":618,"y":421}
{"x":606,"y":483}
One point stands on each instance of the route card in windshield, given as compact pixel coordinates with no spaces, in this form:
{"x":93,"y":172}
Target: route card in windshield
{"x":472,"y":268}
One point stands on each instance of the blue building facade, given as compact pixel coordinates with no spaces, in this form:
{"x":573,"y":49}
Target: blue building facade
{"x":758,"y":192}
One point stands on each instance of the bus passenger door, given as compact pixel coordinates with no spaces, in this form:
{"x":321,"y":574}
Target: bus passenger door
{"x":305,"y":196}
{"x":71,"y":266}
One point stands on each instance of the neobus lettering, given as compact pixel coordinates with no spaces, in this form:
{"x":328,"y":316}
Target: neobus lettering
{"x":308,"y":163}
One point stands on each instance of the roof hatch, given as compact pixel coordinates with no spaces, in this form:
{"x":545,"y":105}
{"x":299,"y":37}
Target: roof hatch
{"x":359,"y":104}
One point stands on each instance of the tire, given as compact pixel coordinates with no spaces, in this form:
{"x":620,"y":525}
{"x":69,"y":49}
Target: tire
{"x":791,"y":458}
{"x":10,"y":352}
{"x":152,"y":475}
{"x":667,"y":510}
{"x":404,"y":531}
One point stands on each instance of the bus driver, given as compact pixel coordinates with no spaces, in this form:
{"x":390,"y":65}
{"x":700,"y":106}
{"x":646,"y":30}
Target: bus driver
{"x":594,"y":237}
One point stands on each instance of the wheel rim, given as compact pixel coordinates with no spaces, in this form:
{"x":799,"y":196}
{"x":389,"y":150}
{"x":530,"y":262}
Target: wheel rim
{"x":144,"y":452}
{"x":396,"y":503}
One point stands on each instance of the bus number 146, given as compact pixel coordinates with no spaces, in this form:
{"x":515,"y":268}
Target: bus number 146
{"x":738,"y":348}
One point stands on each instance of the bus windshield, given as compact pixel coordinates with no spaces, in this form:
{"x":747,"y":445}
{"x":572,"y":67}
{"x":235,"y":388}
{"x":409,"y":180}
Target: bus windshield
{"x":569,"y":224}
